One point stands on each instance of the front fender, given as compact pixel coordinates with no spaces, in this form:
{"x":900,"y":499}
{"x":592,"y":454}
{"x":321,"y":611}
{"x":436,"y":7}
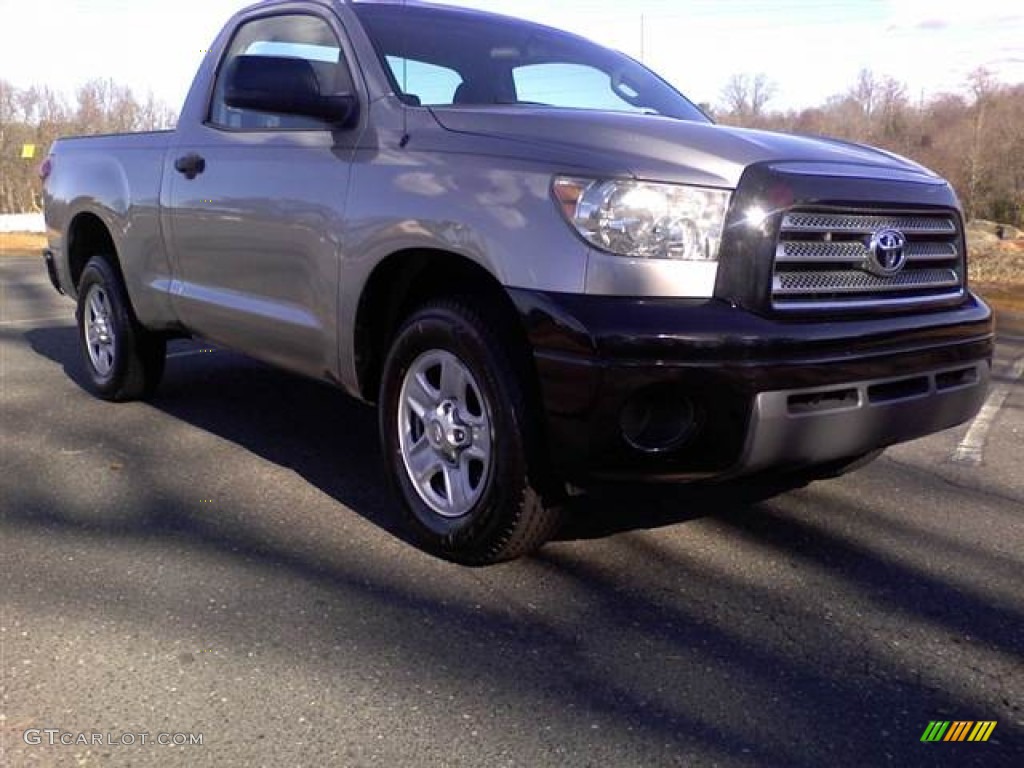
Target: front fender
{"x":498,"y":214}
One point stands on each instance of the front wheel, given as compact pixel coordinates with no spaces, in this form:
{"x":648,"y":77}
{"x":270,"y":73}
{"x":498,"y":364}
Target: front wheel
{"x":123,"y":360}
{"x":459,"y":439}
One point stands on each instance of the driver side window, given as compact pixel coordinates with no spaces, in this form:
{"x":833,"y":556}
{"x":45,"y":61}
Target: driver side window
{"x":299,"y":36}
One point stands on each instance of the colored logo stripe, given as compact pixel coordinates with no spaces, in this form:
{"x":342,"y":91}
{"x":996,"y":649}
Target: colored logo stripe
{"x":958,"y":730}
{"x":982,"y":731}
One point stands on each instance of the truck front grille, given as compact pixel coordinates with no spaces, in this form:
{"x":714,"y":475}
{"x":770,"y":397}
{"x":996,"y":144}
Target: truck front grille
{"x":830,"y":261}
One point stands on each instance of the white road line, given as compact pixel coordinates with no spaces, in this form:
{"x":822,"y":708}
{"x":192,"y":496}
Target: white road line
{"x":972,"y":448}
{"x":35,"y":320}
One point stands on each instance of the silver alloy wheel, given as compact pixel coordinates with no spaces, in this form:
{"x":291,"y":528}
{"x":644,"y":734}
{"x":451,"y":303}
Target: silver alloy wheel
{"x":445,"y":433}
{"x":99,"y":330}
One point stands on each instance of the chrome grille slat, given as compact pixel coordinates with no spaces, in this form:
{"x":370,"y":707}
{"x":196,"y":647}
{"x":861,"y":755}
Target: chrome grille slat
{"x":899,"y":301}
{"x":866,"y":224}
{"x":823,"y":261}
{"x":855,"y":281}
{"x":809,"y":251}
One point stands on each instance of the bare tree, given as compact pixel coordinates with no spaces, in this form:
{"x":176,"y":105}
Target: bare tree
{"x":981,"y":84}
{"x":892,"y":119}
{"x":746,"y":96}
{"x":37,"y":116}
{"x":734,"y":95}
{"x":864,"y":93}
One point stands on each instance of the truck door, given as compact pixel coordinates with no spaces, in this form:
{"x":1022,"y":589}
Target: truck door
{"x":256,"y":207}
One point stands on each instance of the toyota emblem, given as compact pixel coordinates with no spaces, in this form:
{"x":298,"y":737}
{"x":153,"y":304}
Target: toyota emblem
{"x":887,"y":252}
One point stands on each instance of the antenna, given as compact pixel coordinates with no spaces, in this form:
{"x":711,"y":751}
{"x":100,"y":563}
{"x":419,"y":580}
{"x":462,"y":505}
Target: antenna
{"x":643,"y":35}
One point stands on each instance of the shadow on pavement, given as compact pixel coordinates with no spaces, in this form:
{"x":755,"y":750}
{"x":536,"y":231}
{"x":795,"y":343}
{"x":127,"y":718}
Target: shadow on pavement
{"x":717,"y":661}
{"x":331,"y":440}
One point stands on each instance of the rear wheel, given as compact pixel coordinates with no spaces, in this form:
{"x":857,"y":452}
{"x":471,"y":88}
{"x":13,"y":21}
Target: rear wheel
{"x":459,"y":439}
{"x":123,"y":361}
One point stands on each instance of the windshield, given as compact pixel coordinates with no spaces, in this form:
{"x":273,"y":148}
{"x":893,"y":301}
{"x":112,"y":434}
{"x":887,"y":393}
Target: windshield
{"x":445,"y":57}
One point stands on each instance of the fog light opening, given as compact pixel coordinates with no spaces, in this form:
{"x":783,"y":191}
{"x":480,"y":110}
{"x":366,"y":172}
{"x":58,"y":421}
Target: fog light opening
{"x":658,"y":420}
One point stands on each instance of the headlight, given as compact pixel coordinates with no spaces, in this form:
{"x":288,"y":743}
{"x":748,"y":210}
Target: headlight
{"x":645,"y":220}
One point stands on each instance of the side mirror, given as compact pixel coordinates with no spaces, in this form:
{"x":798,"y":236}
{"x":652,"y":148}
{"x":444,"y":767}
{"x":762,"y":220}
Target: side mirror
{"x":283,"y":85}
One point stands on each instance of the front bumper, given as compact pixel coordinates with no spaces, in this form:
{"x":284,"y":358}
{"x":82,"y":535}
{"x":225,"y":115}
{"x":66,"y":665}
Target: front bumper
{"x":765,"y":393}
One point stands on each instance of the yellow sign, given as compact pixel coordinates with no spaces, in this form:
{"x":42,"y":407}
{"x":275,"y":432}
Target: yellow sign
{"x":28,"y":151}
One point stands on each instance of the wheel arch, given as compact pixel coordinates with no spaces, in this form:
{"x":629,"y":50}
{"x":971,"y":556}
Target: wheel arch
{"x":407,"y":279}
{"x":87,"y":236}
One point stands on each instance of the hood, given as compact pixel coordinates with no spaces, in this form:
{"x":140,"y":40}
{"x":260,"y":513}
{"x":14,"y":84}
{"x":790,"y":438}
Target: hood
{"x":663,"y":149}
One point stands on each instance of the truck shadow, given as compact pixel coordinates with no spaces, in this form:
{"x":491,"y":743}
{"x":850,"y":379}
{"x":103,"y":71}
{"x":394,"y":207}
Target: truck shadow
{"x":331,"y":440}
{"x":316,"y":431}
{"x":652,"y":634}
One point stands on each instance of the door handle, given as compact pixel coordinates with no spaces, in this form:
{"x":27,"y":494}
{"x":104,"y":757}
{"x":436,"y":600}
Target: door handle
{"x":190,"y":165}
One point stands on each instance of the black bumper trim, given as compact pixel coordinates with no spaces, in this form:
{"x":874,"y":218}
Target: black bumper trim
{"x":593,"y":353}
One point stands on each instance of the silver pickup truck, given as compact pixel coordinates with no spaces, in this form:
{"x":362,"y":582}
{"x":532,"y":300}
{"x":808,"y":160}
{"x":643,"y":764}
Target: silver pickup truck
{"x":543,"y":263}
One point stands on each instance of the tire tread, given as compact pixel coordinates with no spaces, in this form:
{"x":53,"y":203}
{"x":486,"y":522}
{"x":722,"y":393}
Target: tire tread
{"x":530,"y":521}
{"x":139,"y":374}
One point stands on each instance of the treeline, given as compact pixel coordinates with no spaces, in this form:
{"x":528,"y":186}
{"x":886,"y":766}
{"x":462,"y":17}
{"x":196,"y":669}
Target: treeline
{"x":36,"y":116}
{"x":974,"y":138}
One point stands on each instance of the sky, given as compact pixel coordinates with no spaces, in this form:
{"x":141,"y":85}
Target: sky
{"x":811,"y":49}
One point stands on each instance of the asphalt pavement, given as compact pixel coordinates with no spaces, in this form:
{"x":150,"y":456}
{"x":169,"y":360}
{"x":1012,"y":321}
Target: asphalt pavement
{"x":224,"y":564}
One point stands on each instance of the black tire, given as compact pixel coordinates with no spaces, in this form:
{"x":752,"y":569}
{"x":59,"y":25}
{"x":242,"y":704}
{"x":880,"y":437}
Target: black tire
{"x":509,"y":517}
{"x":123,"y":361}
